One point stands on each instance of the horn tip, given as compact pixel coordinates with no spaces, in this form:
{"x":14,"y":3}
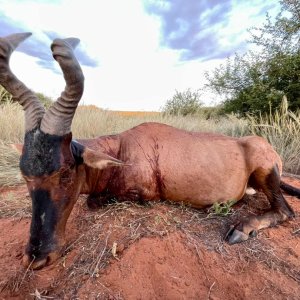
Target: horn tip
{"x":70,"y":42}
{"x":16,"y":38}
{"x":19,"y":35}
{"x":73,"y":42}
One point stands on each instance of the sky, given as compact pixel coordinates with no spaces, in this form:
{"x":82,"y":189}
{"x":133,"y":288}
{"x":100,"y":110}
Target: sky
{"x":134,"y":54}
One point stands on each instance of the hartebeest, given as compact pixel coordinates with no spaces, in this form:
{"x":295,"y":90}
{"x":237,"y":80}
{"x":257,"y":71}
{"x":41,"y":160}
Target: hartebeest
{"x":151,"y":161}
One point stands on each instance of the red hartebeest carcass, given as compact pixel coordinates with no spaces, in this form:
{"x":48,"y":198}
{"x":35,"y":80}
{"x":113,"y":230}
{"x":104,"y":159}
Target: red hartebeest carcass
{"x":148,"y":162}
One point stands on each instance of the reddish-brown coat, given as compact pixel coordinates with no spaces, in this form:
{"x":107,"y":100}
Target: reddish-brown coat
{"x":167,"y":163}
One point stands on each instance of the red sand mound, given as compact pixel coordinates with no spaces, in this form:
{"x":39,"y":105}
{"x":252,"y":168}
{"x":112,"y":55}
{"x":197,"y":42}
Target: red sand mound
{"x":156,"y":251}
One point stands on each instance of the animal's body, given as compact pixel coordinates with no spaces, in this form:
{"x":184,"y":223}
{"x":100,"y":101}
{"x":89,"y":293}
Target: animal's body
{"x":149,"y":162}
{"x":162,"y":162}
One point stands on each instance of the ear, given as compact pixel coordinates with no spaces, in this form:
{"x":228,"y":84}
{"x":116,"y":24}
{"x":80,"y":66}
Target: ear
{"x":17,"y":147}
{"x":99,"y":160}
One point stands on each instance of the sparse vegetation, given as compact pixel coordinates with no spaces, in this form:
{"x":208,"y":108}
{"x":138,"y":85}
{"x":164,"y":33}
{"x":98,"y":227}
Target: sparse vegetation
{"x":101,"y":238}
{"x":222,"y":209}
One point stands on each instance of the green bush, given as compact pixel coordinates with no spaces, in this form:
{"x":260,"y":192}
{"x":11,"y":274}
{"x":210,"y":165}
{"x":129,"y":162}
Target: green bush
{"x":183,"y":103}
{"x":6,"y":97}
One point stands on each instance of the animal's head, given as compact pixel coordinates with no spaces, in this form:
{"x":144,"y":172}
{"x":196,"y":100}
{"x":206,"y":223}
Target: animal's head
{"x":50,"y":161}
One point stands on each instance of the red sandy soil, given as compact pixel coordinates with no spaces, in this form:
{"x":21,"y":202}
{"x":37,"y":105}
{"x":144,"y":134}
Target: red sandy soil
{"x":153,"y":251}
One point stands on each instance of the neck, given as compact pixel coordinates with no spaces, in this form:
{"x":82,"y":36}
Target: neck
{"x":95,"y":180}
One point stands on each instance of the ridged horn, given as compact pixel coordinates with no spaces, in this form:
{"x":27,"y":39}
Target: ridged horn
{"x":34,"y":110}
{"x":58,"y":118}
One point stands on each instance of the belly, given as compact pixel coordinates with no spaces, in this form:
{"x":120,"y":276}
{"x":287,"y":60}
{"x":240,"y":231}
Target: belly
{"x":204,"y":181}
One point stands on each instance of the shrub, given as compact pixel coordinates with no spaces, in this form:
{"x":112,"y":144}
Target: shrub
{"x":183,"y":103}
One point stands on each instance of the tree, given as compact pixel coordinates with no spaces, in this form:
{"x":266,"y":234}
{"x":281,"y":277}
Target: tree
{"x":256,"y":81}
{"x":283,"y":34}
{"x":183,"y":103}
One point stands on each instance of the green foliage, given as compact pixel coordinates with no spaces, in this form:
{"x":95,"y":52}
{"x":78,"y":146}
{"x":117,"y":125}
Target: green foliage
{"x":47,"y":101}
{"x":256,"y":82}
{"x":281,"y":35}
{"x":222,"y":209}
{"x":5,"y":96}
{"x":183,"y":103}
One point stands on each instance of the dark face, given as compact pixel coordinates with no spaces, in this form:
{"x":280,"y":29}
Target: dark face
{"x":50,"y":170}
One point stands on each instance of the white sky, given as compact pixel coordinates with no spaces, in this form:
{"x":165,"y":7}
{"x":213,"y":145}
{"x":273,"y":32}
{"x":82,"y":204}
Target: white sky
{"x":134,"y":72}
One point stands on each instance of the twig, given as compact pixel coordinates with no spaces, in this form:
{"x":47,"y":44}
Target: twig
{"x":17,"y":288}
{"x":209,"y":292}
{"x":101,"y":255}
{"x":293,"y":277}
{"x":73,"y":243}
{"x":296,"y":231}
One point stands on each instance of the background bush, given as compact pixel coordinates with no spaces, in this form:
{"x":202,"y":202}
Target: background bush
{"x":183,"y":103}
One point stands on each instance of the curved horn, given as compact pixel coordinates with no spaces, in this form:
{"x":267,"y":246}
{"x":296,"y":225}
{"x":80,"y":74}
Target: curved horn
{"x":34,"y":110}
{"x":58,"y":118}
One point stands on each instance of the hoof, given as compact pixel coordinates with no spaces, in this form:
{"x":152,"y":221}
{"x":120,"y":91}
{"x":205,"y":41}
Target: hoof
{"x":36,"y":264}
{"x":33,"y":264}
{"x":235,"y":236}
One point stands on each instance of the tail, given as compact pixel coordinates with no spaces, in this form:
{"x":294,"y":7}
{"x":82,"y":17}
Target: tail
{"x":290,"y":189}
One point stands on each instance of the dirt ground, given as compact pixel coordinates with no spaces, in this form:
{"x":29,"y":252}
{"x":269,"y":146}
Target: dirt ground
{"x":153,"y":251}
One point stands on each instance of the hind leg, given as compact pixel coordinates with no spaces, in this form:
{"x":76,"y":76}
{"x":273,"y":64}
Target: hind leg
{"x":279,"y":212}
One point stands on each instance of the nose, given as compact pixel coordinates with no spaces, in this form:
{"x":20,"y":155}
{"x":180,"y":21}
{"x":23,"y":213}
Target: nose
{"x":36,"y":264}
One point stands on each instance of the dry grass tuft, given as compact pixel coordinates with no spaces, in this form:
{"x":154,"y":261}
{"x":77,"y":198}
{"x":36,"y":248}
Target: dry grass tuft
{"x":90,"y":123}
{"x":15,"y":203}
{"x":11,"y":123}
{"x":282,"y":130}
{"x":9,"y":162}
